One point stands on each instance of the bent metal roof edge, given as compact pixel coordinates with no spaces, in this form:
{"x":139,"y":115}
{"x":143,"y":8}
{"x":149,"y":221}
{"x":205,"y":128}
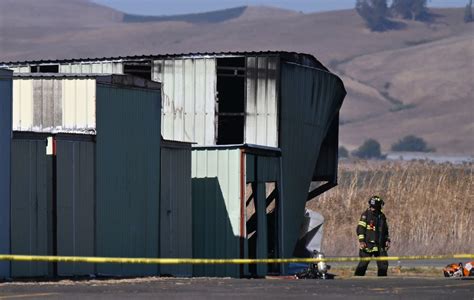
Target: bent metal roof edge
{"x":113,"y":79}
{"x":5,"y":73}
{"x":291,"y":56}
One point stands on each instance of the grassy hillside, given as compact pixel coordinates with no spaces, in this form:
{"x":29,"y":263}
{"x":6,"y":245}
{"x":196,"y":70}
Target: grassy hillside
{"x":415,"y":80}
{"x":429,"y":207}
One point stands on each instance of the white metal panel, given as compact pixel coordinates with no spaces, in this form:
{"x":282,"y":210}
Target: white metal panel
{"x":200,"y":104}
{"x":216,"y":208}
{"x":97,"y":68}
{"x":53,"y":105}
{"x":178,"y":103}
{"x":224,"y":165}
{"x":47,"y":94}
{"x":261,"y":101}
{"x":100,"y":67}
{"x":272,"y":102}
{"x":189,"y":104}
{"x":79,"y":104}
{"x":210,"y":101}
{"x":188,"y":110}
{"x":251,"y":101}
{"x":20,"y":69}
{"x":23,"y":104}
{"x":261,"y":123}
{"x":167,"y":127}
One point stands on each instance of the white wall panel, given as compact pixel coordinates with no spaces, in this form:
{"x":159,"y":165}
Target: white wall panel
{"x":23,"y":104}
{"x":188,"y":110}
{"x":261,"y":118}
{"x":54,"y":105}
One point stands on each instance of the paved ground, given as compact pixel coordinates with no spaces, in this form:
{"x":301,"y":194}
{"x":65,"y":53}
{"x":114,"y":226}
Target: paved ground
{"x":212,"y":288}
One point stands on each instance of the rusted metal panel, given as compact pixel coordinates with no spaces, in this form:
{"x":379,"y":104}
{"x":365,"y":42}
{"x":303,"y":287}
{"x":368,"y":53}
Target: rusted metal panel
{"x":176,"y":207}
{"x":30,"y":206}
{"x":261,"y":115}
{"x":5,"y":156}
{"x":189,"y":99}
{"x":128,"y":177}
{"x":75,"y":190}
{"x":216,"y":208}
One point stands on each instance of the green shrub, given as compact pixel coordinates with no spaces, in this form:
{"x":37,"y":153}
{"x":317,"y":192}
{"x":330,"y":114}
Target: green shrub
{"x":411,"y":143}
{"x":343,"y":153}
{"x":369,"y":149}
{"x":468,"y":13}
{"x":374,"y":13}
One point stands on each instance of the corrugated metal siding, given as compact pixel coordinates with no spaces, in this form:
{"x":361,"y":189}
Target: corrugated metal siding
{"x":128,"y":177}
{"x":326,"y":167}
{"x":75,"y":203}
{"x":267,"y":168}
{"x":188,"y":110}
{"x":5,"y":156}
{"x":259,"y":170}
{"x":48,"y":105}
{"x":309,"y":100}
{"x":176,"y":209}
{"x":216,"y":209}
{"x":21,"y":69}
{"x":261,"y":122}
{"x":99,"y":67}
{"x":30,"y":206}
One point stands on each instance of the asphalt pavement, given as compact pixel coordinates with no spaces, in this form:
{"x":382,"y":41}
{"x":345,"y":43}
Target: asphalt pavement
{"x":218,"y":288}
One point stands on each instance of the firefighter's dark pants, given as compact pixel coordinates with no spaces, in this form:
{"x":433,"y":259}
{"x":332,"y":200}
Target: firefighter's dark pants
{"x":382,"y":266}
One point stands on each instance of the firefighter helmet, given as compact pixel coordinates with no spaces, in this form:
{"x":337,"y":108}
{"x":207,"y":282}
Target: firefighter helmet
{"x":376,"y":202}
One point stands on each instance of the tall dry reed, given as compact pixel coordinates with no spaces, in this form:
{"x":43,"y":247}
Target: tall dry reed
{"x":429,"y":207}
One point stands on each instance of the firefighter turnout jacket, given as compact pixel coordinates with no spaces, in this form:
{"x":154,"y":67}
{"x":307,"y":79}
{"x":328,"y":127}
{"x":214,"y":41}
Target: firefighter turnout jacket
{"x":373,"y":230}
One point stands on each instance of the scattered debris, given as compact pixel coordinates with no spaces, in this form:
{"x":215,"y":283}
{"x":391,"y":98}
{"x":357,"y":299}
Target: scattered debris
{"x":458,"y":270}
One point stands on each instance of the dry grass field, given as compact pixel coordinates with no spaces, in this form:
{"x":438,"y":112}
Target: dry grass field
{"x":430,"y":207}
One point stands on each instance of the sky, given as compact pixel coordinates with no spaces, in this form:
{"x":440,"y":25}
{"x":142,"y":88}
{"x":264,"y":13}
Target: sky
{"x":172,"y":7}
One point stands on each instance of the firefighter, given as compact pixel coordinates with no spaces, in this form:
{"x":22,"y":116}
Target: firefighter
{"x":374,"y":240}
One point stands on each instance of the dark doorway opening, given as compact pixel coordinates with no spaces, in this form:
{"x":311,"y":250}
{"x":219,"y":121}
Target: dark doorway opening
{"x":140,"y":69}
{"x":251,"y":225}
{"x":230,"y":112}
{"x":271,"y":193}
{"x":271,"y":207}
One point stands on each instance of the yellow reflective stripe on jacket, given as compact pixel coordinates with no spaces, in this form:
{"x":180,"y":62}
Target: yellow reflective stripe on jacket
{"x":373,"y":249}
{"x":362,"y":223}
{"x":361,"y":236}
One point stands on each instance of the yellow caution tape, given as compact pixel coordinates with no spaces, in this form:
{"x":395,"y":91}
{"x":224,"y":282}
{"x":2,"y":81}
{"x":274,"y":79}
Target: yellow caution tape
{"x":206,"y":261}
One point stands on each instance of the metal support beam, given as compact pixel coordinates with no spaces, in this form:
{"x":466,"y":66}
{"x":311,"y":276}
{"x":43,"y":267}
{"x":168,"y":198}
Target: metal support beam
{"x":321,"y":189}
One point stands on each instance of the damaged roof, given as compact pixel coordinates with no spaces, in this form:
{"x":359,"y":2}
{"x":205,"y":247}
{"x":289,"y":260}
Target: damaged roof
{"x":301,"y":58}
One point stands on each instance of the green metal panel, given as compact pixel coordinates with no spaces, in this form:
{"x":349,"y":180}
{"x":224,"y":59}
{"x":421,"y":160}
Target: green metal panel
{"x":326,"y":167}
{"x":128,"y":177}
{"x":216,"y":209}
{"x":261,"y":169}
{"x":175,"y":207}
{"x":310,"y":99}
{"x":5,"y":151}
{"x":30,"y":206}
{"x":261,"y":228}
{"x":75,"y":203}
